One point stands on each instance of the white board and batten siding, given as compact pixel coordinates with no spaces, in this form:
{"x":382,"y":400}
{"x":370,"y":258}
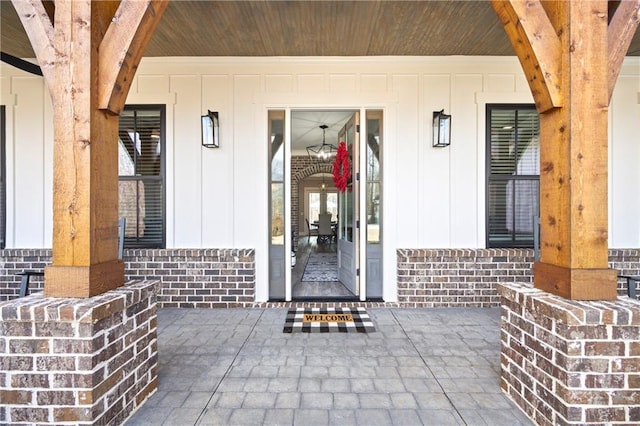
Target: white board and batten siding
{"x":433,"y":197}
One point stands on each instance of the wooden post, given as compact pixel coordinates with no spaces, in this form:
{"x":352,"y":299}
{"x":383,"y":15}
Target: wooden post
{"x":564,"y":48}
{"x":88,"y":58}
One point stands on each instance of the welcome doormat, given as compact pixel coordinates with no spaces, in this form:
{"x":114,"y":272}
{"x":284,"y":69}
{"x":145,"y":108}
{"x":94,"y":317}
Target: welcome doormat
{"x":328,"y":320}
{"x":321,"y":267}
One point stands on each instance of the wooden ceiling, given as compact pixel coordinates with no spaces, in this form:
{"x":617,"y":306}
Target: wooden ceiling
{"x":312,"y":28}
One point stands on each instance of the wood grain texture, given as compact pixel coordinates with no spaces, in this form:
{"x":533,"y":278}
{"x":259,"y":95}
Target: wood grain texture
{"x":85,"y":152}
{"x":622,"y":27}
{"x":83,"y":281}
{"x":122,"y":47}
{"x":537,"y":46}
{"x":575,"y":283}
{"x":39,"y":27}
{"x":573,"y":143}
{"x":309,"y":28}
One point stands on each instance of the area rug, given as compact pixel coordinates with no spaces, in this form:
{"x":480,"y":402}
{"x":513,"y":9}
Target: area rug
{"x":328,"y":320}
{"x":321,"y":267}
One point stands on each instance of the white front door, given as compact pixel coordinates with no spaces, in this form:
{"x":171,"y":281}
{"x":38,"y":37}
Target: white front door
{"x":349,"y":211}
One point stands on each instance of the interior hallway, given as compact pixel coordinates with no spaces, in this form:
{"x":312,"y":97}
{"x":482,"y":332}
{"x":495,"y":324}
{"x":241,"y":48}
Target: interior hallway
{"x":309,"y":290}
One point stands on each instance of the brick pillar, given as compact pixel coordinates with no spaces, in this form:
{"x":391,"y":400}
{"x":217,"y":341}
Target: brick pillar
{"x":78,"y":361}
{"x":570,"y":362}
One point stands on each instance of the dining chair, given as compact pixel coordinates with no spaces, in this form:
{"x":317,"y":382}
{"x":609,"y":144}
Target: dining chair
{"x":311,"y":231}
{"x":325,"y":230}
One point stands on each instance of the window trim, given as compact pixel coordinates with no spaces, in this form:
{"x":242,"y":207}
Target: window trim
{"x":489,"y":107}
{"x":129,"y":243}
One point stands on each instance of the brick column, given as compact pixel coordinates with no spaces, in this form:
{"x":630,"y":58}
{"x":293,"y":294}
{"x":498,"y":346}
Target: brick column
{"x":78,"y":361}
{"x":571,"y":362}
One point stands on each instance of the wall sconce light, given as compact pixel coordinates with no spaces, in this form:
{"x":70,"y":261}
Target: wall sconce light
{"x":441,"y":129}
{"x":210,"y":130}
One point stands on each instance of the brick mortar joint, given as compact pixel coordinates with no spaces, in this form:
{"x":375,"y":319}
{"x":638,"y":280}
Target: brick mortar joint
{"x":621,"y":312}
{"x":83,"y":311}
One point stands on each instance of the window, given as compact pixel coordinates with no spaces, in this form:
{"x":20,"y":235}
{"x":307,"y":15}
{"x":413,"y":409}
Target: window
{"x":323,"y":201}
{"x":373,"y":188}
{"x":513,"y":174}
{"x":141,"y":170}
{"x":3,"y":185}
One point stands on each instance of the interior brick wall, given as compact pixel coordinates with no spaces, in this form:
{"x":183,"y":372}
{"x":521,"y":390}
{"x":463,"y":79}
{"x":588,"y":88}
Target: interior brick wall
{"x":78,"y":361}
{"x":570,"y":362}
{"x":302,"y":167}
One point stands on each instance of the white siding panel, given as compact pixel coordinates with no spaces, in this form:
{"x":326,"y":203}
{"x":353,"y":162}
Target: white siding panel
{"x":405,"y":143}
{"x":152,"y":84}
{"x":522,"y":85}
{"x":217,"y":166}
{"x":28,"y":144}
{"x":187,"y":217}
{"x":279,"y":83}
{"x":500,"y":83}
{"x":250,"y":159}
{"x":48,"y":172}
{"x":340,"y":83}
{"x":464,"y":161}
{"x":312,"y":82}
{"x":624,"y":173}
{"x":435,"y":198}
{"x":373,"y":83}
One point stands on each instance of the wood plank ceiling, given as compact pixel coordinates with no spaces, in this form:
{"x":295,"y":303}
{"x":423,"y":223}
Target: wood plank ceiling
{"x":312,"y":28}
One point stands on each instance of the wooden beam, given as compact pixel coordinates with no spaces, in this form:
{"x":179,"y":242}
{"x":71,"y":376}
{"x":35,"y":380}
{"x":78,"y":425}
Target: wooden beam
{"x":537,"y":46}
{"x":573,"y":141}
{"x":622,"y":27}
{"x":123,"y":44}
{"x":37,"y":23}
{"x":573,"y":172}
{"x":85,"y":172}
{"x":576,"y":283}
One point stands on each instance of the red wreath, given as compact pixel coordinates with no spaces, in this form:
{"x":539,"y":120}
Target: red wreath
{"x":341,"y":172}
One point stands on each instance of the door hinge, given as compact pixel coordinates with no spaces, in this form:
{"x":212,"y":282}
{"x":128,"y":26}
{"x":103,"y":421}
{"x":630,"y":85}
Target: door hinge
{"x":357,"y":128}
{"x":358,"y":272}
{"x":357,"y":224}
{"x":358,"y":176}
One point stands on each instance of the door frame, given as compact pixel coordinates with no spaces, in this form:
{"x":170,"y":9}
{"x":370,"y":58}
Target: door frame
{"x":362,"y":152}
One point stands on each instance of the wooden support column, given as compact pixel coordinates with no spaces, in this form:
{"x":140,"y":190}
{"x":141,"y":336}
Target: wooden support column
{"x":88,"y":52}
{"x":574,"y":249}
{"x":564,"y":49}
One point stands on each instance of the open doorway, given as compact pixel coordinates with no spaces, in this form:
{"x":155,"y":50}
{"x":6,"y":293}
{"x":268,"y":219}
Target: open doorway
{"x":322,"y":221}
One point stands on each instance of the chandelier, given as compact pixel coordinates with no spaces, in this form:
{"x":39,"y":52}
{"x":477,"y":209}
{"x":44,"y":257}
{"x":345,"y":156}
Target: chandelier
{"x":322,"y":152}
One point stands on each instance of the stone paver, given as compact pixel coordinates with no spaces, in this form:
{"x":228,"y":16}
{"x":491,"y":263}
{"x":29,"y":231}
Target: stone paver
{"x":237,"y":367}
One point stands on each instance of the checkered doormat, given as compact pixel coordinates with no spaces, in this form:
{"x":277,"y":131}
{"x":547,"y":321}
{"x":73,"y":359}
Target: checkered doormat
{"x":328,"y":320}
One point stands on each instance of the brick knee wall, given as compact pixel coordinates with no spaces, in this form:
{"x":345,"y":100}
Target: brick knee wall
{"x":209,"y":278}
{"x":469,"y":277}
{"x":459,"y":277}
{"x":78,"y":361}
{"x":197,"y":278}
{"x":570,"y":362}
{"x":189,"y":278}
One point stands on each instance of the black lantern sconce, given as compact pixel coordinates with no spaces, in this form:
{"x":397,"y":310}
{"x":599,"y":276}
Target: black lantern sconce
{"x":210,"y":130}
{"x":441,"y":129}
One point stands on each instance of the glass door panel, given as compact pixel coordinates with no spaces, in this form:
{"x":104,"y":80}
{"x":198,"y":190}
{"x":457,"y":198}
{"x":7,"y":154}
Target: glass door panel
{"x":314,"y":206}
{"x":373,"y":188}
{"x":332,"y":204}
{"x":277,"y":278}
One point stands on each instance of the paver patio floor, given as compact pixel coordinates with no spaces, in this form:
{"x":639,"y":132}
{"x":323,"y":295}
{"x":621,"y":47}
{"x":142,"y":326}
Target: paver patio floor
{"x":237,"y":367}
